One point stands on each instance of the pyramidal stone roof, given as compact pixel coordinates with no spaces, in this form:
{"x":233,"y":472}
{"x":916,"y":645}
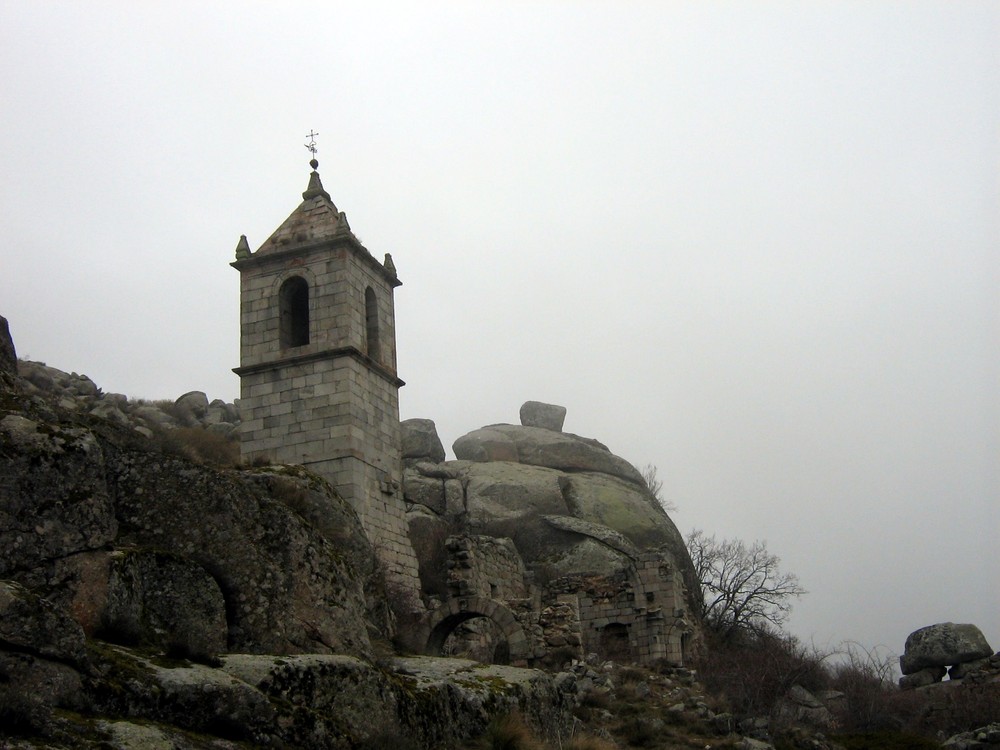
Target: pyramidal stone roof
{"x":313,"y":223}
{"x":315,"y":220}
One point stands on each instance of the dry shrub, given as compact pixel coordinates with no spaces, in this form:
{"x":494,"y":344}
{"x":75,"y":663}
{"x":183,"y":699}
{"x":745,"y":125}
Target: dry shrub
{"x":388,"y":741}
{"x":509,"y":733}
{"x":168,"y":407}
{"x":873,"y":704}
{"x":752,"y":671}
{"x":291,"y":494}
{"x":866,"y":678}
{"x":202,"y":446}
{"x":588,"y":742}
{"x":639,"y":731}
{"x":632,"y":675}
{"x":596,"y":699}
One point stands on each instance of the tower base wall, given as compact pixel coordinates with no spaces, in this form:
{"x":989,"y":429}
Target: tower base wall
{"x":339,"y":418}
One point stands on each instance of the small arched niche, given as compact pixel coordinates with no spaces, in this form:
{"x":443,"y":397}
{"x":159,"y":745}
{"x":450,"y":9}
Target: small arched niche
{"x":293,"y":305}
{"x":371,"y":324}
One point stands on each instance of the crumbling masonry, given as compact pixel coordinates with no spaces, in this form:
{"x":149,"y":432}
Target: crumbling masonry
{"x":635,"y":617}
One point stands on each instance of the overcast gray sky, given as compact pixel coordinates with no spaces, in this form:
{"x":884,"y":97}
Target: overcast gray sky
{"x":754,"y":244}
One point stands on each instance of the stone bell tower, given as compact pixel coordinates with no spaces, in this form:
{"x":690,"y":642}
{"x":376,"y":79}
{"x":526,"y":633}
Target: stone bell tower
{"x":318,"y":383}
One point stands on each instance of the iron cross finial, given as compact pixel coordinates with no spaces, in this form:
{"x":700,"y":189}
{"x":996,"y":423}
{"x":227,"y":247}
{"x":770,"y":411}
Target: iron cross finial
{"x":312,"y":147}
{"x":312,"y":142}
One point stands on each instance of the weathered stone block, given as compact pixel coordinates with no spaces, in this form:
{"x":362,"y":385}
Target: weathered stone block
{"x":922,"y":677}
{"x":420,"y":441}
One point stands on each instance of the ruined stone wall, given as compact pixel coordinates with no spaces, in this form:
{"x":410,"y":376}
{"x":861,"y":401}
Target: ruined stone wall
{"x":485,"y":566}
{"x":637,"y":617}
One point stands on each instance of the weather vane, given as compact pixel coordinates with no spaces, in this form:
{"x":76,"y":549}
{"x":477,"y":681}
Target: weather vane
{"x":312,"y":148}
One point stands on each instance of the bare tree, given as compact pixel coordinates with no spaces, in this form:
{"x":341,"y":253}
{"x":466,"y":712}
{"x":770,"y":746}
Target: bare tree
{"x":742,"y":586}
{"x":655,"y":486}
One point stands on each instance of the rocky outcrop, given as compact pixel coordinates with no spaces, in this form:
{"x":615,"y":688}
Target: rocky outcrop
{"x":287,"y":589}
{"x":538,"y":446}
{"x":31,"y":625}
{"x":982,"y":738}
{"x":305,"y":701}
{"x":78,"y":394}
{"x":603,"y":534}
{"x":166,"y":601}
{"x":515,"y":480}
{"x":922,"y":677}
{"x":8,"y":357}
{"x":937,"y":647}
{"x":800,"y":706}
{"x":54,"y":498}
{"x":153,"y":549}
{"x":590,"y":533}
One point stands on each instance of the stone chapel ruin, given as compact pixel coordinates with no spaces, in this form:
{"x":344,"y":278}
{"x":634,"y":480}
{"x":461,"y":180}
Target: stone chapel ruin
{"x":534,"y":544}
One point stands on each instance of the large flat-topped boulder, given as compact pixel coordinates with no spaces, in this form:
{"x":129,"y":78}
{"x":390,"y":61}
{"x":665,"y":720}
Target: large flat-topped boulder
{"x":538,"y":446}
{"x":570,"y":505}
{"x":547,"y":416}
{"x":943,"y":645}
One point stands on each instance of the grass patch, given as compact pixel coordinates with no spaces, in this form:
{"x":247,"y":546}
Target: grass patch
{"x":885,"y":740}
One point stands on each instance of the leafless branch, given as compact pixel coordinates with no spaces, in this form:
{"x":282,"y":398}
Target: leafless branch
{"x":743,"y":586}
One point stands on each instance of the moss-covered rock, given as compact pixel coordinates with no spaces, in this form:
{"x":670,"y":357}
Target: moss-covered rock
{"x":287,"y":588}
{"x":54,"y":498}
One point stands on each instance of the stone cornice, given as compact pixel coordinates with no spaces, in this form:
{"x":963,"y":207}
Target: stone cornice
{"x":259,"y":259}
{"x":343,"y":351}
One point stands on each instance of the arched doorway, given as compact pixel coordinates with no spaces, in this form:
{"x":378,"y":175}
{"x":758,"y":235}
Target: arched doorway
{"x":510,"y":644}
{"x":479,"y":639}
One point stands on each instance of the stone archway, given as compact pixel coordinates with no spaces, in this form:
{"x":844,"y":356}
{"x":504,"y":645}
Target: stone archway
{"x":454,"y":612}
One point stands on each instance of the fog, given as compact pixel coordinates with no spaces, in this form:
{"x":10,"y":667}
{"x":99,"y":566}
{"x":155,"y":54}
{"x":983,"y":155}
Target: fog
{"x":754,"y":245}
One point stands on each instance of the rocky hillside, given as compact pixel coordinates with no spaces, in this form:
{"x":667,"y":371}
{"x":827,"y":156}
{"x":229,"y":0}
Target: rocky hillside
{"x":148,"y":599}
